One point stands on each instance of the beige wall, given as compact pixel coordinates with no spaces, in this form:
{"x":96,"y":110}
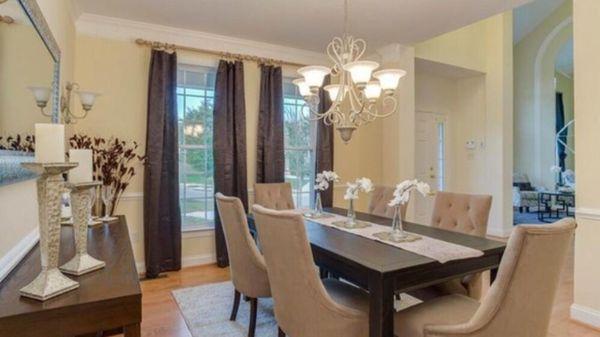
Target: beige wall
{"x":485,"y":46}
{"x":534,"y":91}
{"x":16,"y":224}
{"x":587,"y":163}
{"x":461,"y":101}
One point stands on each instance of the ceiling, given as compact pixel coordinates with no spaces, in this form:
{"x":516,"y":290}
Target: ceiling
{"x":306,"y":24}
{"x":529,"y":16}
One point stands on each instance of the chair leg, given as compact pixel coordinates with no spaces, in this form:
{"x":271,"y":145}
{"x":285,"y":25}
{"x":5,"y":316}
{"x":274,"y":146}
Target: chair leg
{"x":280,"y":332}
{"x":253,"y":308}
{"x":236,"y":306}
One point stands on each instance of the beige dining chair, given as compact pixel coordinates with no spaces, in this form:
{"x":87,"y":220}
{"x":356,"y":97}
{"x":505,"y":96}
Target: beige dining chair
{"x":304,"y":305}
{"x":274,"y":196}
{"x":247,"y":265}
{"x":519,"y":303}
{"x":467,"y":214}
{"x":380,"y":197}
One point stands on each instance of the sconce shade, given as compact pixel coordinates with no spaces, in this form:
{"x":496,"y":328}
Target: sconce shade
{"x":41,"y":94}
{"x":87,"y":98}
{"x":361,"y":71}
{"x":302,"y":86}
{"x":389,"y":78}
{"x":314,"y":75}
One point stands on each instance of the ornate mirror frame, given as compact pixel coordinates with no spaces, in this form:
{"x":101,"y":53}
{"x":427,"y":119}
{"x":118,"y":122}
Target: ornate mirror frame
{"x":10,"y":161}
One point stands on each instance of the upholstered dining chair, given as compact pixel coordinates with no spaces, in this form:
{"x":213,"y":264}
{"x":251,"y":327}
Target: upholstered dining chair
{"x":467,"y":214}
{"x":247,"y":265}
{"x":519,"y":303}
{"x":380,"y":197}
{"x":304,"y":305}
{"x":274,"y":196}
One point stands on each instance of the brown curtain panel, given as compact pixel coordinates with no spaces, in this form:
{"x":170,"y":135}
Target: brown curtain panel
{"x":229,"y":143}
{"x":162,"y":217}
{"x":324,"y":145}
{"x":270,"y":158}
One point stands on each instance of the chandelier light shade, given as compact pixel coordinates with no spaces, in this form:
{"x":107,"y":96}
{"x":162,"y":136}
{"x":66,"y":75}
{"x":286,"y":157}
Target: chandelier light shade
{"x":359,"y":94}
{"x":361,"y":71}
{"x":314,"y":76}
{"x":303,"y":88}
{"x":389,"y":78}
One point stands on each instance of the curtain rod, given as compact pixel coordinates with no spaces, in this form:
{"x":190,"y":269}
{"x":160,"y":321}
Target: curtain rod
{"x":225,"y":55}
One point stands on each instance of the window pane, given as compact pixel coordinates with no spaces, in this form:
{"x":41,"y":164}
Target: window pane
{"x":299,"y":152}
{"x":196,"y":85}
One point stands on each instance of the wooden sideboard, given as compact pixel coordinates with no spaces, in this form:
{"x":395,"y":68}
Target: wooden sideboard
{"x":107,"y":300}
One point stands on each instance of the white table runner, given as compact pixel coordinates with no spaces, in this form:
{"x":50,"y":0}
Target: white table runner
{"x":439,"y":250}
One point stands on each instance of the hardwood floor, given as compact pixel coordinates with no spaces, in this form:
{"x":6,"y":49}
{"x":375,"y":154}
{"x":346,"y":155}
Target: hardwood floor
{"x":161,"y":316}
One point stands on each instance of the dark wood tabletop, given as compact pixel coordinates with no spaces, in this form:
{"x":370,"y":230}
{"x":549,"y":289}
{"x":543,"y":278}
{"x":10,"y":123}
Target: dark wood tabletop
{"x":382,"y":269}
{"x":107,"y":299}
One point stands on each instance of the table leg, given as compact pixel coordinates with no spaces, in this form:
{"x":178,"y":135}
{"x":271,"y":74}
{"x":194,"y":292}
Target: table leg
{"x":132,"y":330}
{"x":381,"y":309}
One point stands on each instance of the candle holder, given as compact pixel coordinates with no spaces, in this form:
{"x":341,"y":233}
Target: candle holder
{"x":81,"y":200}
{"x":50,"y":184}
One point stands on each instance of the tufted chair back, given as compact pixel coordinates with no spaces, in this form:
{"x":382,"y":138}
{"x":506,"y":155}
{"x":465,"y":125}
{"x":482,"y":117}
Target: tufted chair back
{"x":248,"y":268}
{"x":277,"y":196}
{"x":464,"y":213}
{"x":380,"y":197}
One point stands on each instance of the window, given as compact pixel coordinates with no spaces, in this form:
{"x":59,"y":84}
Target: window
{"x":195,"y":101}
{"x":299,"y":145}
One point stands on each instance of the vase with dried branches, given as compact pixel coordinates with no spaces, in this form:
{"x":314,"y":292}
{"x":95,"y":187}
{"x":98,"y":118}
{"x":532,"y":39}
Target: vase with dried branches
{"x":25,"y":143}
{"x":115,"y":161}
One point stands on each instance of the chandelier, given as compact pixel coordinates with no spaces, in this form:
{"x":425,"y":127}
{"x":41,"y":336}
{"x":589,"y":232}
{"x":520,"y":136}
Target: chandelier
{"x":359,"y":94}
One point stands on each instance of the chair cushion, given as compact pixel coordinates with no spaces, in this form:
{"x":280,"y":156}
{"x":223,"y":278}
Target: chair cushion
{"x":453,"y":309}
{"x":347,"y":295}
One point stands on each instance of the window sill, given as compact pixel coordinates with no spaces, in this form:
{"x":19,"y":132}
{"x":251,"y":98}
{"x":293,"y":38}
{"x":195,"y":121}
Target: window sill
{"x":197,"y":232}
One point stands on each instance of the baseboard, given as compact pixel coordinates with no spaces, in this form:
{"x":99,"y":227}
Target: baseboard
{"x":585,"y":315}
{"x":186,"y":261}
{"x":18,"y":252}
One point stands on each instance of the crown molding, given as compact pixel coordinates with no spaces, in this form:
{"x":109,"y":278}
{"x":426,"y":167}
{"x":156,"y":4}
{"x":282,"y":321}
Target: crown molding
{"x":128,"y":30}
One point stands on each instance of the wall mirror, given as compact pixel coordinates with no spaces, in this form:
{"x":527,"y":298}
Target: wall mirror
{"x":29,"y":67}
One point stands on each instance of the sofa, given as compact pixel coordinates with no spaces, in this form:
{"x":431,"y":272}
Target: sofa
{"x":525,"y":196}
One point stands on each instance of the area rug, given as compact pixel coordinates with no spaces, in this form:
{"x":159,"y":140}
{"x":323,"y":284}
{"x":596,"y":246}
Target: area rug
{"x":206,"y":311}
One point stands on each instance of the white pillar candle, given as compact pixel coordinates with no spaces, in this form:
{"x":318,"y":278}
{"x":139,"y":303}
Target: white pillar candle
{"x":83,"y":173}
{"x":49,"y":143}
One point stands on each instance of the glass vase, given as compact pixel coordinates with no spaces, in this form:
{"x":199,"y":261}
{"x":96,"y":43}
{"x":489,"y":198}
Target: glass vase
{"x":351,"y":215}
{"x":318,"y":205}
{"x":398,"y":232}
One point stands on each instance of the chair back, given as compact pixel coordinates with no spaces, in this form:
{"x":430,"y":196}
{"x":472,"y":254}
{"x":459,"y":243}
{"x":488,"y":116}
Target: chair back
{"x":464,"y":213}
{"x":248,"y":269}
{"x":303,"y":308}
{"x":276,"y":196}
{"x":520,"y":301}
{"x":380,"y":197}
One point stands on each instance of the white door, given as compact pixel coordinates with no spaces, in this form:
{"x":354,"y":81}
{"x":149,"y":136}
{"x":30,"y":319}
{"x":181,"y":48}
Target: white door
{"x":429,"y":161}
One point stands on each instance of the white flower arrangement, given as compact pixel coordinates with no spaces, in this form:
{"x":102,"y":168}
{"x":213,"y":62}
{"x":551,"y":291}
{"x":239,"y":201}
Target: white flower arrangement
{"x":402,"y":192}
{"x":324,"y":178}
{"x":361,"y":184}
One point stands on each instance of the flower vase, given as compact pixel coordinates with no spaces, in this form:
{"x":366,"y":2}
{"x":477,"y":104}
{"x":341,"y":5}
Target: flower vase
{"x":397,"y":229}
{"x":351,"y":215}
{"x":318,"y":205}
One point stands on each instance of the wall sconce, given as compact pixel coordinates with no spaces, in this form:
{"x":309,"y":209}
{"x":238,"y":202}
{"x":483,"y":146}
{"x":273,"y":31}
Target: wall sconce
{"x":87,"y":99}
{"x":194,"y":130}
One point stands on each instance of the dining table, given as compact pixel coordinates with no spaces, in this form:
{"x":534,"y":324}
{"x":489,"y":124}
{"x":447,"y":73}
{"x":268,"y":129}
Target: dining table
{"x":384,"y":270}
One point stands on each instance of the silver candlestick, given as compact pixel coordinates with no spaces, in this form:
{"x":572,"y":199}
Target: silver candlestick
{"x":81,"y":202}
{"x":50,"y":185}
